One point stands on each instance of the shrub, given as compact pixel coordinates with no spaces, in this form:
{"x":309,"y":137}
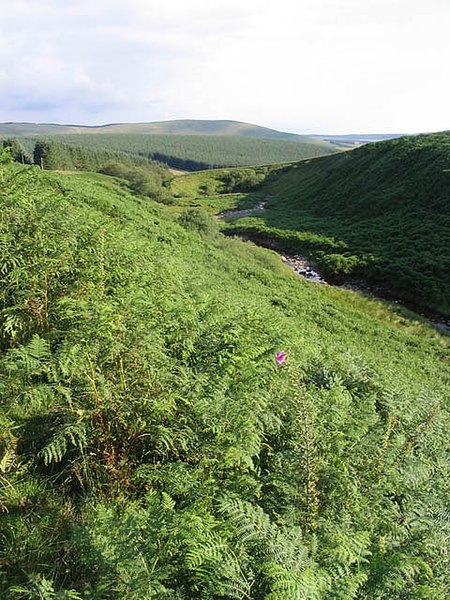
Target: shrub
{"x":197,"y":219}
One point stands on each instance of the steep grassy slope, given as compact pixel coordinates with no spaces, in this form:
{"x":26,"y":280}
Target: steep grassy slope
{"x":150,"y":447}
{"x":381,"y":212}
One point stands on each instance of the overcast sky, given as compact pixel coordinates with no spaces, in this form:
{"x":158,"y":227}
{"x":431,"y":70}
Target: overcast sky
{"x":297,"y":65}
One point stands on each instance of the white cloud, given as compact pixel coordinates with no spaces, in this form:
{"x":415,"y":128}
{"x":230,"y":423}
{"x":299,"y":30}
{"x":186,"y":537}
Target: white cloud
{"x":303,"y":65}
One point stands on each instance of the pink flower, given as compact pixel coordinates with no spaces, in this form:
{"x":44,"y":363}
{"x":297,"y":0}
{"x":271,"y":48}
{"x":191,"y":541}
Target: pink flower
{"x":280,"y":357}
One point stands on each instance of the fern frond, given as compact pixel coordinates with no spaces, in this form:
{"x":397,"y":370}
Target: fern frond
{"x":56,"y":449}
{"x":34,"y":354}
{"x":289,"y":585}
{"x":251,"y":522}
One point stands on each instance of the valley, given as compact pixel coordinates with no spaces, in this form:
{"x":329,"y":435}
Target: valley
{"x":181,"y":415}
{"x":379,"y":213}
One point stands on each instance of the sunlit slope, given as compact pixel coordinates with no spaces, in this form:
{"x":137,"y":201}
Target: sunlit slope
{"x":387,"y":207}
{"x":150,"y":445}
{"x":195,"y":152}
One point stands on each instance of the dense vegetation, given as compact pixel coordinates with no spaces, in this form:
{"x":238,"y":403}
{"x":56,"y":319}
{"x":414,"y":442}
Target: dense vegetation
{"x":380,"y":212}
{"x":150,"y":447}
{"x":56,"y":155}
{"x":145,"y":177}
{"x":189,"y":145}
{"x":20,"y":152}
{"x":183,"y":152}
{"x":195,"y":152}
{"x":221,"y":181}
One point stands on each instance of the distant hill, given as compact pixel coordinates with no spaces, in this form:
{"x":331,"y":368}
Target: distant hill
{"x":187,"y":144}
{"x":202,"y":127}
{"x":178,"y":127}
{"x":193,"y":144}
{"x":385,"y":208}
{"x":31,"y":129}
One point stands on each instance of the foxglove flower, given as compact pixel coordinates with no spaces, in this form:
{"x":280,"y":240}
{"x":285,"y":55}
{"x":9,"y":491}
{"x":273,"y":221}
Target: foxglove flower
{"x":280,"y":357}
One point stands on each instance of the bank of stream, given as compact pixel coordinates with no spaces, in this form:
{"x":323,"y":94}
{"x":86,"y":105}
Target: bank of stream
{"x":305,"y":268}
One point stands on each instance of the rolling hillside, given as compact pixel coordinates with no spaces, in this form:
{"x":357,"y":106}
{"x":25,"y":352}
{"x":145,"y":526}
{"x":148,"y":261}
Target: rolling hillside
{"x":380,"y":212}
{"x":152,"y":447}
{"x":180,"y":127}
{"x":187,"y":145}
{"x":188,"y":152}
{"x":310,"y":145}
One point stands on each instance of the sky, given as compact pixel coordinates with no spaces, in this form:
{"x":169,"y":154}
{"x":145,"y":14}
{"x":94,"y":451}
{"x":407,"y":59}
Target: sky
{"x":305,"y":66}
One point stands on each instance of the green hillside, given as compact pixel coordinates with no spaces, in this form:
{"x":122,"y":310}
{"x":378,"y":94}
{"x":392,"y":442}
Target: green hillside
{"x":187,"y":144}
{"x":177,"y":127}
{"x":195,"y":152}
{"x":380,"y":212}
{"x":150,"y":446}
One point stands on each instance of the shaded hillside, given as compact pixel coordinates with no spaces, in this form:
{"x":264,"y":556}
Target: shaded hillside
{"x":384,"y":209}
{"x":150,"y":446}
